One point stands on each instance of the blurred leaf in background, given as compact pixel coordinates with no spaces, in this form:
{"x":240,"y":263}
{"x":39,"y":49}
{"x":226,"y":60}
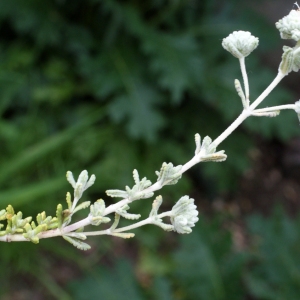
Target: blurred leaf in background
{"x":207,"y":267}
{"x":117,"y":283}
{"x":275,"y":272}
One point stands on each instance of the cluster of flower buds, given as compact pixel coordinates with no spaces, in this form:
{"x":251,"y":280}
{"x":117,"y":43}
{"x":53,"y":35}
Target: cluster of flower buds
{"x":184,"y":215}
{"x":240,"y":43}
{"x":289,"y":26}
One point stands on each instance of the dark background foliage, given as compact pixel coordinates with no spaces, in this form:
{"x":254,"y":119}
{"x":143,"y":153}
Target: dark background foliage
{"x":109,"y":86}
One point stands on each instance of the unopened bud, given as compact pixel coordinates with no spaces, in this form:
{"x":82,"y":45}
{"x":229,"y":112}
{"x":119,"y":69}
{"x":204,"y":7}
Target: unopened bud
{"x":289,"y":26}
{"x":240,"y":43}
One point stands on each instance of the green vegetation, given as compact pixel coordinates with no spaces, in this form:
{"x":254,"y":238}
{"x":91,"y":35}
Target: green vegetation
{"x":110,"y":86}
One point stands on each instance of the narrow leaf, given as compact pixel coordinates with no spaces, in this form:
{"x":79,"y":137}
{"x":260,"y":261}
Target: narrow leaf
{"x":82,"y":205}
{"x":77,"y":243}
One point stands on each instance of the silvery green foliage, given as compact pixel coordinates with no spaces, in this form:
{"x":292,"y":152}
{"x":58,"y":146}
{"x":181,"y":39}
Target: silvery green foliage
{"x":76,"y":238}
{"x":97,"y":211}
{"x":270,"y":114}
{"x":134,"y":193}
{"x":168,"y":174}
{"x":156,"y":220}
{"x":240,"y":43}
{"x":240,"y":92}
{"x":184,"y":215}
{"x":76,"y":242}
{"x":289,"y":26}
{"x":81,"y":206}
{"x":290,"y":60}
{"x":111,"y":230}
{"x":123,"y":212}
{"x":64,"y":217}
{"x":207,"y":151}
{"x":81,"y":184}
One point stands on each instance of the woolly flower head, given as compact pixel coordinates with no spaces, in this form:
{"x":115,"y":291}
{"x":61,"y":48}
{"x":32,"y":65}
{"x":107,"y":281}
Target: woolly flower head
{"x":240,"y":43}
{"x":184,"y":215}
{"x":289,"y":26}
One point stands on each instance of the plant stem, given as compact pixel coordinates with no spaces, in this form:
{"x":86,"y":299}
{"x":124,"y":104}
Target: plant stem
{"x":272,"y":108}
{"x":246,"y":113}
{"x":147,"y":221}
{"x":267,"y":91}
{"x":156,"y":186}
{"x":245,"y":78}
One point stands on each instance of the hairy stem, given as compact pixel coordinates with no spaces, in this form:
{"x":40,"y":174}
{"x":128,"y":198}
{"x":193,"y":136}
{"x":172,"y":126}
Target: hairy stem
{"x":246,"y":113}
{"x":149,"y":220}
{"x":156,"y":186}
{"x":279,"y":107}
{"x":245,"y":78}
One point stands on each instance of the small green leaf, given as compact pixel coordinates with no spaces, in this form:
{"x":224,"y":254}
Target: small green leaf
{"x":155,"y":206}
{"x":169,"y":174}
{"x":32,"y":233}
{"x":207,"y":151}
{"x":96,"y":213}
{"x":69,"y":201}
{"x":77,"y":235}
{"x":164,"y":226}
{"x":134,"y":193}
{"x":123,"y":212}
{"x":59,"y":215}
{"x":116,"y":193}
{"x":77,"y":243}
{"x":116,"y":222}
{"x":122,"y":235}
{"x":71,"y":179}
{"x":9,"y":212}
{"x":83,"y":205}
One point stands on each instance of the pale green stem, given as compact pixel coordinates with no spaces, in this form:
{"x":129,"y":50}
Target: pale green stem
{"x":245,"y":78}
{"x":13,"y":238}
{"x":149,"y":220}
{"x":246,"y":113}
{"x":267,"y":91}
{"x":272,"y":108}
{"x":73,"y":227}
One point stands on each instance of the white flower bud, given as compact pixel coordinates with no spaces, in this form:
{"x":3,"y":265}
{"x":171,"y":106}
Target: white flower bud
{"x":240,"y":43}
{"x":289,"y":26}
{"x":184,"y":215}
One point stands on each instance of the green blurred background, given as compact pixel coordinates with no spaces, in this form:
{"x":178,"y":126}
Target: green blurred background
{"x":109,"y":86}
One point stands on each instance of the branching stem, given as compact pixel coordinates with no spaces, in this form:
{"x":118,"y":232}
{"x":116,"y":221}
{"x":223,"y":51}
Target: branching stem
{"x":184,"y":213}
{"x":279,"y":107}
{"x":246,"y":113}
{"x":149,"y":220}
